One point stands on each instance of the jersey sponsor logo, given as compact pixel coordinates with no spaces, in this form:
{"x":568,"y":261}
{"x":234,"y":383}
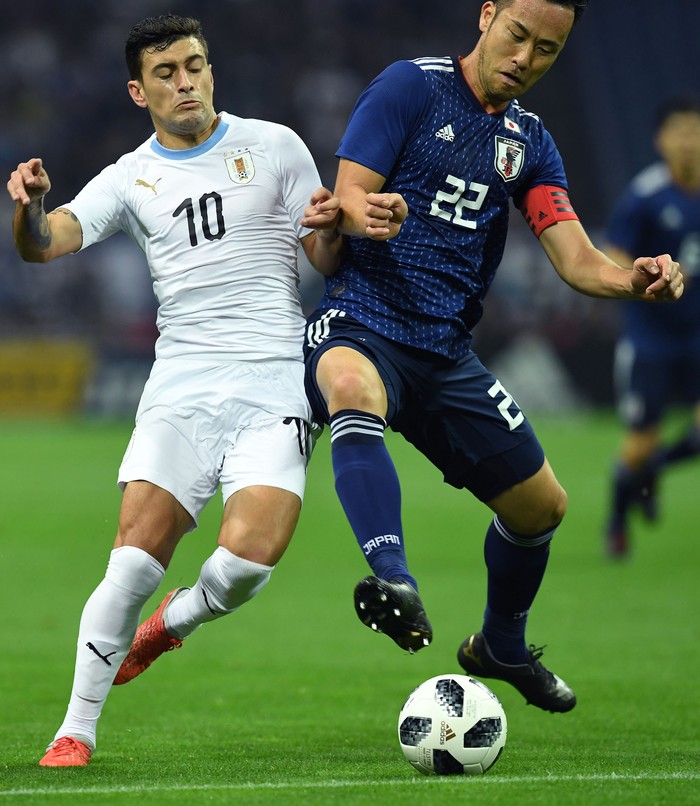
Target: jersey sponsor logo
{"x":446,"y":133}
{"x":241,"y":167}
{"x":143,"y":183}
{"x":511,"y":125}
{"x":509,"y":157}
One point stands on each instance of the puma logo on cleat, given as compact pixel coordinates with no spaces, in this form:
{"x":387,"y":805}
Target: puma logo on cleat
{"x":105,"y":658}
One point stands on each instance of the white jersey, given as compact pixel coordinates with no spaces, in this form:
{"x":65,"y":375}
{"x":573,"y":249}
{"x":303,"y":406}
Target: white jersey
{"x":220,"y":227}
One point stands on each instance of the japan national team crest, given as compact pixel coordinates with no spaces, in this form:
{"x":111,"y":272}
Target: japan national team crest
{"x":509,"y":157}
{"x":241,"y":167}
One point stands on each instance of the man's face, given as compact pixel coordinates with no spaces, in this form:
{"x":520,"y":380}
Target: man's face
{"x":519,"y":45}
{"x":678,"y":142}
{"x":177,"y":88}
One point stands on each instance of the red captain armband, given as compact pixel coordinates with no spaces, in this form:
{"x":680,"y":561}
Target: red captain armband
{"x":545,"y":205}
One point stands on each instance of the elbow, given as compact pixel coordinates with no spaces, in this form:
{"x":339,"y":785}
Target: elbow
{"x":29,"y":256}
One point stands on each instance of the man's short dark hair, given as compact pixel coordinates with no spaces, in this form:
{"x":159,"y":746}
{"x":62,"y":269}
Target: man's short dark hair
{"x":578,"y":6}
{"x":682,"y":104}
{"x":159,"y":33}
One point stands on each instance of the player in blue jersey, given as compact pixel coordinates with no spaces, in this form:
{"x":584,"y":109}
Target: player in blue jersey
{"x":433,"y":153}
{"x":657,"y":359}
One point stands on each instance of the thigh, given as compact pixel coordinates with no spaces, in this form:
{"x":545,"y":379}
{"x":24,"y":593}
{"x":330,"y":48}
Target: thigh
{"x":534,"y":505}
{"x":269,"y":451}
{"x":347,"y":379}
{"x":472,"y":429}
{"x":168,"y":449}
{"x":258,"y":523}
{"x":262,"y":482}
{"x":152,"y":519}
{"x":388,"y":364}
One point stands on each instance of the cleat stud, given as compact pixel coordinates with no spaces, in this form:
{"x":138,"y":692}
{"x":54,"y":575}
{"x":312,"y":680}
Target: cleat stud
{"x":382,"y":597}
{"x":374,"y":626}
{"x":397,"y":612}
{"x":426,"y":642}
{"x":362,"y":606}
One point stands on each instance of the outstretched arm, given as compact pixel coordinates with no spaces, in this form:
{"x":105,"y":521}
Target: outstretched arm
{"x":40,"y":237}
{"x":365,"y":211}
{"x":591,"y":272}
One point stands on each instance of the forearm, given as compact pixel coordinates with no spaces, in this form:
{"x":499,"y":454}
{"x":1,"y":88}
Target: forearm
{"x":32,"y":232}
{"x":583,"y":266}
{"x":323,"y":250}
{"x":595,"y":275}
{"x":353,"y":212}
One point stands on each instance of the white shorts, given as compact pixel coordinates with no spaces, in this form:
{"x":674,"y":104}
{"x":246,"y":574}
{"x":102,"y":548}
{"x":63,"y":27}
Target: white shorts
{"x":200,"y":424}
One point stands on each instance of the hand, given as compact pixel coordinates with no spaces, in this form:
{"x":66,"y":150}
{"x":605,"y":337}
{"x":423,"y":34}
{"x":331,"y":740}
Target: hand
{"x":29,"y":182}
{"x":657,"y":278}
{"x":384,"y":215}
{"x":321,"y":214}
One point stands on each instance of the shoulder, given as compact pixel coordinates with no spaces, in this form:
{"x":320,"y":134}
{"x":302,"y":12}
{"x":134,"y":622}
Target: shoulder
{"x":408,"y":84}
{"x":264,"y":131}
{"x":418,"y":71}
{"x":528,"y":122}
{"x":651,"y":181}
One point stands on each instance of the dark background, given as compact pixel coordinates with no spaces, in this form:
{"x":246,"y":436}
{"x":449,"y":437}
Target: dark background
{"x":303,"y":63}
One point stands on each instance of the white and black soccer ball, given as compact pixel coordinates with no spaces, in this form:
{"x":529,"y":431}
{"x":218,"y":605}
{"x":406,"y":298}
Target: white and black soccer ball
{"x":452,"y":725}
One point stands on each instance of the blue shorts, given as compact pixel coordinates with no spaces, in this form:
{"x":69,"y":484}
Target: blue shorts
{"x":454,"y":411}
{"x":651,"y":378}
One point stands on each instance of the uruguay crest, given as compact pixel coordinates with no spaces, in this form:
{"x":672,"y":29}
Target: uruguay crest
{"x":241,"y":167}
{"x":509,"y":157}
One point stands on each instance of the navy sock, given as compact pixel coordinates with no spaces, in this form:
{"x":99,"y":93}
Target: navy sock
{"x":516,"y":565}
{"x":685,"y":448}
{"x":369,"y":491}
{"x":626,"y":484}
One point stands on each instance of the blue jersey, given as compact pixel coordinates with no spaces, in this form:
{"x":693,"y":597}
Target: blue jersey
{"x":652,"y":217}
{"x":419,"y":125}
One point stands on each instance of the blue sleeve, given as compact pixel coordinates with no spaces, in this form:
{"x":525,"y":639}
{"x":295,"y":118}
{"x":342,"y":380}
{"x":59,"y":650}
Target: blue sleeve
{"x":548,"y":170}
{"x":384,"y":117}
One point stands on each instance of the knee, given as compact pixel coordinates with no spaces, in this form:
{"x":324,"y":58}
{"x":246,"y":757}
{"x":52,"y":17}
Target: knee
{"x":541,"y":511}
{"x":558,"y":507}
{"x":550,"y":512}
{"x":348,"y":380}
{"x":352,"y":390}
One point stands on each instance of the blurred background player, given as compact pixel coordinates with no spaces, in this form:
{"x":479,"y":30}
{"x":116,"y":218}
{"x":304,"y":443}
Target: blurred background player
{"x":657,"y":360}
{"x":216,"y":203}
{"x":434,"y":151}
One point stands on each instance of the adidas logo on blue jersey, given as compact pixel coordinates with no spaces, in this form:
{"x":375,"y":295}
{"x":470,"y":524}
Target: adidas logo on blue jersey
{"x":446,"y":133}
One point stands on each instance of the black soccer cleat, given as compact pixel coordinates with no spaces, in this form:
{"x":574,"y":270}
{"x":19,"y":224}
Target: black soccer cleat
{"x":393,"y":607}
{"x":538,"y":685}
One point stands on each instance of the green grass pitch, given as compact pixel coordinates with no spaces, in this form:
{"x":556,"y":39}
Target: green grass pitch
{"x":292,"y":701}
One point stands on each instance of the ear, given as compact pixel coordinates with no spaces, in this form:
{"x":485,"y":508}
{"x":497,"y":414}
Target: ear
{"x":136,"y":92}
{"x":488,"y":12}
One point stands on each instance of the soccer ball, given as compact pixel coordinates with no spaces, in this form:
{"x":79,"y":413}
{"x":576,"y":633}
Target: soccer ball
{"x":452,"y":725}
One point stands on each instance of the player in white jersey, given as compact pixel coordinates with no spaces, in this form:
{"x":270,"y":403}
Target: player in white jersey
{"x":216,"y":203}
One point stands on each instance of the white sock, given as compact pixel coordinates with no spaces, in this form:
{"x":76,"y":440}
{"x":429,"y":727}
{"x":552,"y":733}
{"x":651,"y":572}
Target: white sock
{"x":225,"y":583}
{"x":107,"y":628}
